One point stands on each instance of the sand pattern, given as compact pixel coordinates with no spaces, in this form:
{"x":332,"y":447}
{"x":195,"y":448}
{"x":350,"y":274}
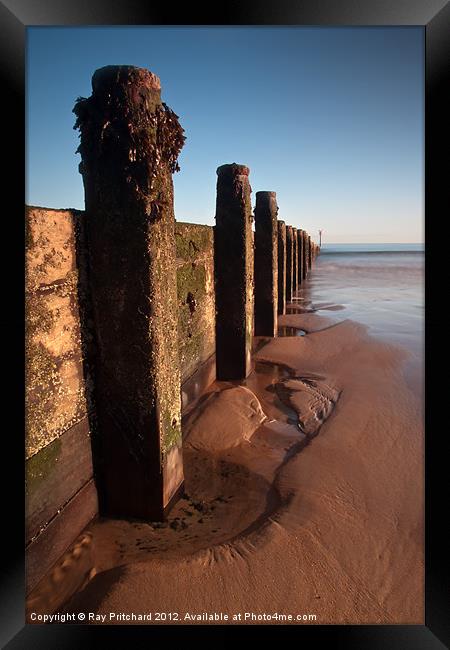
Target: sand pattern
{"x":276,"y":517}
{"x":312,"y":397}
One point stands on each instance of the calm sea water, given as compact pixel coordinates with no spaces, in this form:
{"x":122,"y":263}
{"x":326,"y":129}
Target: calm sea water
{"x":372,"y":248}
{"x":379,"y":285}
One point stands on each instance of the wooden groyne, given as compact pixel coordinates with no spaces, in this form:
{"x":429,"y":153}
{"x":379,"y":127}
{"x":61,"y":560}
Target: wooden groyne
{"x":131,"y":315}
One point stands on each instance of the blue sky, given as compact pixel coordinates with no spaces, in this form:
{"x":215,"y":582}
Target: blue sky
{"x":332,"y":119}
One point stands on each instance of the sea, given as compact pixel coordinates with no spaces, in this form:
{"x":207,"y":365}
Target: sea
{"x":379,"y":285}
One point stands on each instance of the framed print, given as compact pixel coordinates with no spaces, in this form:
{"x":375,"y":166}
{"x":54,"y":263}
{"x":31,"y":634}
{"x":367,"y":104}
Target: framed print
{"x":229,"y":419}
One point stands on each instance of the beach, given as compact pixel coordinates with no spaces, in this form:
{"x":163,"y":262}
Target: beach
{"x":304,"y":483}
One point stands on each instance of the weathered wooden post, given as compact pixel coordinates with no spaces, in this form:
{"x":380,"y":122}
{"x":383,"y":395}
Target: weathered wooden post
{"x":281,"y":267}
{"x":233,"y":268}
{"x":300,"y":256}
{"x":129,"y":146}
{"x":295,"y":261}
{"x":309,"y":253}
{"x":266,"y":264}
{"x":304,"y":255}
{"x":289,"y":264}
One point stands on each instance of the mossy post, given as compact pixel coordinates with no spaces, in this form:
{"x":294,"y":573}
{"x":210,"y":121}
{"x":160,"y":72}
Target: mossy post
{"x":295,"y":261}
{"x":129,"y":147}
{"x":233,"y":269}
{"x":300,"y":257}
{"x":281,"y":267}
{"x":289,"y":264}
{"x":266,"y":264}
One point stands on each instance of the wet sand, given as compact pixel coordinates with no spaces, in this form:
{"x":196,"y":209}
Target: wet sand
{"x":304,"y":494}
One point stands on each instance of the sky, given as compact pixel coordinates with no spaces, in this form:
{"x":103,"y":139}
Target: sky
{"x":331,"y":119}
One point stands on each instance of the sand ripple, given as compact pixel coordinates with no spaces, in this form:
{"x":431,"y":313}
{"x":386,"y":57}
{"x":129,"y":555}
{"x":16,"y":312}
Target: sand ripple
{"x":312,"y":397}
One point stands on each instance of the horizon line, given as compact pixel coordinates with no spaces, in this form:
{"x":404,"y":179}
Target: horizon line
{"x":363,"y":243}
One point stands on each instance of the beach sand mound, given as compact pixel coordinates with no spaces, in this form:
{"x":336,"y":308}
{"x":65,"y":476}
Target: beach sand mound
{"x":224,"y":420}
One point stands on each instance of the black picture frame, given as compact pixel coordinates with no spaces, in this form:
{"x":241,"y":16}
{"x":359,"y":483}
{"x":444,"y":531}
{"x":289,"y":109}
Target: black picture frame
{"x":15,"y":17}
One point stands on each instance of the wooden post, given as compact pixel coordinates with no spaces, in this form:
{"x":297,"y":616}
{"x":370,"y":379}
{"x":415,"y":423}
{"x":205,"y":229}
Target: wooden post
{"x":129,"y":146}
{"x":295,"y":261}
{"x":233,"y":267}
{"x":304,"y":255}
{"x":300,"y":256}
{"x":266,"y":264}
{"x":289,"y":264}
{"x":281,"y":267}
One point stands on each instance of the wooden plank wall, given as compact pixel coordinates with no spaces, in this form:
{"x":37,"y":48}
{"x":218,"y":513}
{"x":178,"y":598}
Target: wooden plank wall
{"x":60,"y":493}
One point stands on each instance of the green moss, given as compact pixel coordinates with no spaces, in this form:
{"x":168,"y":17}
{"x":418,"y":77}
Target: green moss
{"x":191,"y":355}
{"x":172,"y":433}
{"x":192,"y":241}
{"x":191,"y":331}
{"x":39,"y":466}
{"x":191,"y":279}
